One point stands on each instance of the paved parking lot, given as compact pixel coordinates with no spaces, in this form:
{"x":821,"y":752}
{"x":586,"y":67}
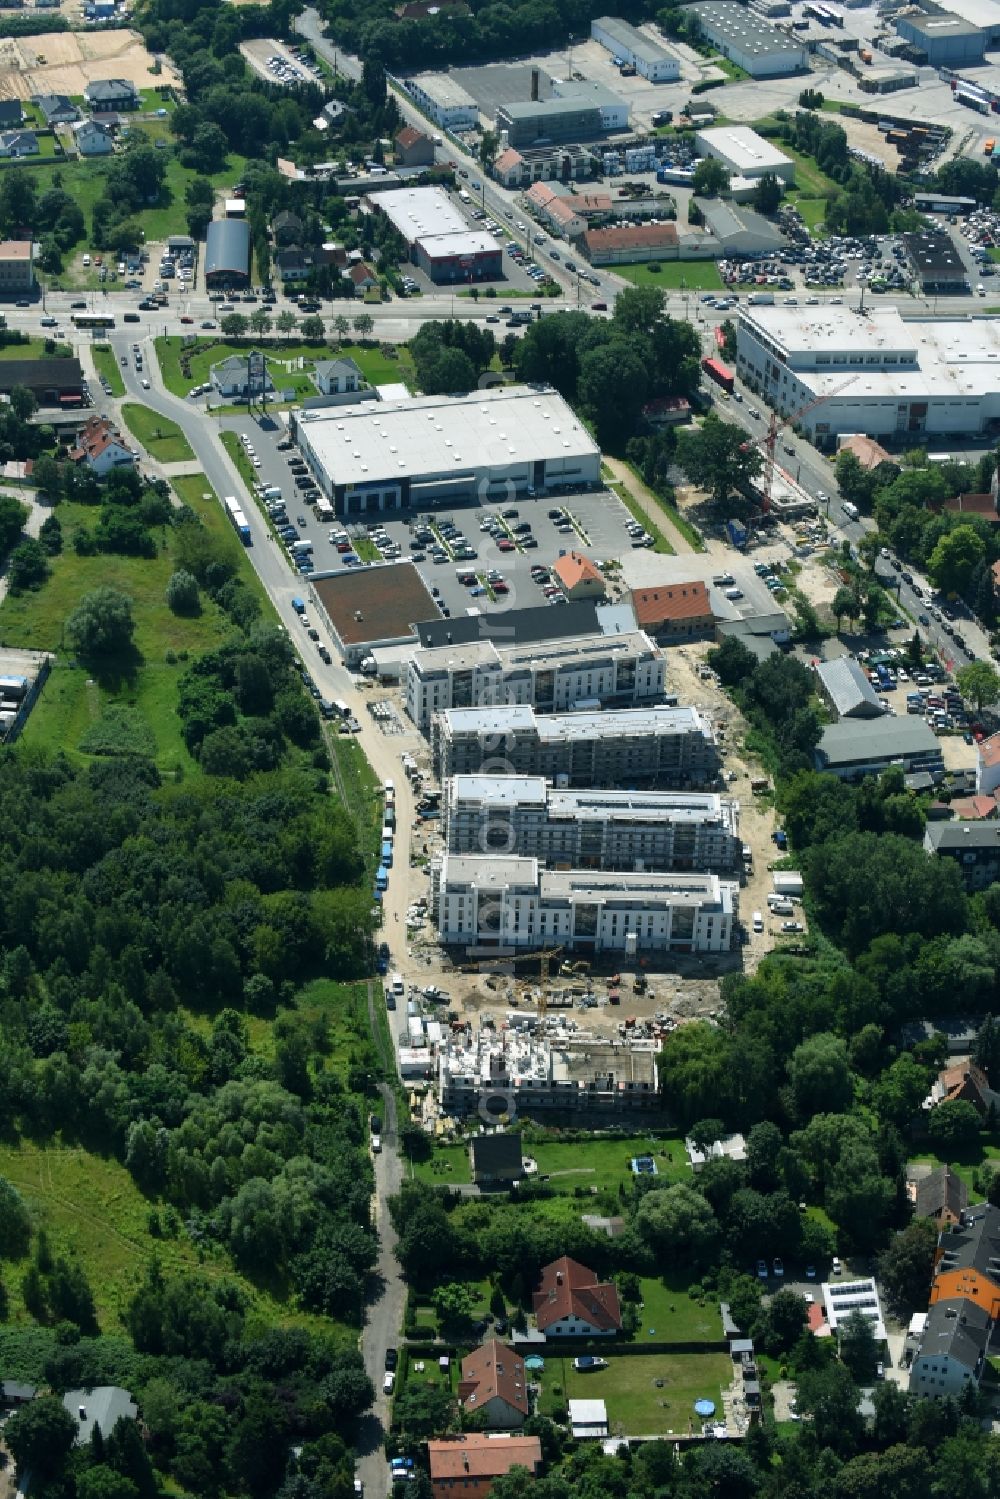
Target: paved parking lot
{"x":599,"y":532}
{"x":598,"y":520}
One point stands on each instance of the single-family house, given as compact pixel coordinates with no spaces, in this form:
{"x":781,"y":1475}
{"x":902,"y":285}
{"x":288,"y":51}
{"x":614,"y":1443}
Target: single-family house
{"x":102,"y":1405}
{"x":111,"y":93}
{"x":231,"y":378}
{"x":11,"y":114}
{"x":666,"y":411}
{"x":14,"y":1392}
{"x":941,"y":1195}
{"x":362,"y":276}
{"x":101,"y":447}
{"x":494,"y":1383}
{"x":578,"y":577}
{"x":674,"y":611}
{"x":468,"y":1465}
{"x":572,"y":1303}
{"x":414,"y":148}
{"x":286,"y":228}
{"x":866,"y":450}
{"x":58,"y":109}
{"x":964,"y":1082}
{"x":496,"y":1158}
{"x":15,"y":144}
{"x":92,"y":139}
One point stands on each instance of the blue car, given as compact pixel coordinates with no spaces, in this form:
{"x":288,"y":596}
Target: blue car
{"x":477,"y":592}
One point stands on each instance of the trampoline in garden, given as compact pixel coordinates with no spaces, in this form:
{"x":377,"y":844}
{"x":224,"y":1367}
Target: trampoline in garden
{"x":705,"y":1407}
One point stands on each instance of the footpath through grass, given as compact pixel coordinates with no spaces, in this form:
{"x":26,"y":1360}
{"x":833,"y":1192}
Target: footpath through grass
{"x":162,"y":438}
{"x":107,"y":367}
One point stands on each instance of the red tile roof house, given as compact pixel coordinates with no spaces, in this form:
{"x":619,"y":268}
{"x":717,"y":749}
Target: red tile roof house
{"x":572,"y":1303}
{"x":467,"y":1465}
{"x":674,"y":611}
{"x":100,"y":447}
{"x":493,"y":1381}
{"x":578,"y":577}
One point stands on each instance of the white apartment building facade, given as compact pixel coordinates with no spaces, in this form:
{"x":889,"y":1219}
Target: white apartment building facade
{"x":591,"y":829}
{"x":671,"y":747}
{"x":625,"y":670}
{"x":495,"y":903}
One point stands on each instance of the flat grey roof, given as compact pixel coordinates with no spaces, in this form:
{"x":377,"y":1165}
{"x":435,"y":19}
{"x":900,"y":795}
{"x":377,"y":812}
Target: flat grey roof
{"x":633,"y":806}
{"x":750,"y":31}
{"x":946,"y":25}
{"x":876,"y":739}
{"x":512,"y":626}
{"x":546,"y":109}
{"x":554,"y":728}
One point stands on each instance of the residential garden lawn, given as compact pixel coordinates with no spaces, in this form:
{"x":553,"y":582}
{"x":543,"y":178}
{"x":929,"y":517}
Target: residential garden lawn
{"x":966,"y":1165}
{"x":162,"y":438}
{"x":107,"y":365}
{"x":377,"y":368}
{"x":628,"y":1386}
{"x":669,"y":1312}
{"x":602,"y":1162}
{"x":91,"y":1208}
{"x":146,"y":691}
{"x":672,"y":275}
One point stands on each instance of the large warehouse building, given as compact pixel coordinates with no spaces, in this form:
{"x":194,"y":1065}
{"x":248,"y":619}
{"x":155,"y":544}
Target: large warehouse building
{"x":873,"y":372}
{"x":402,"y":455}
{"x":635,"y":49}
{"x":441,"y":242}
{"x":746,"y":155}
{"x":511,"y":902}
{"x":946,"y":41}
{"x":227,"y":253}
{"x":524,"y":815}
{"x":749,"y":41}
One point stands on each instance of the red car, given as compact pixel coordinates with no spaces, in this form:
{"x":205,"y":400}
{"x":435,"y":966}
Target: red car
{"x":187,"y":319}
{"x":505,"y":544}
{"x":500,"y":587}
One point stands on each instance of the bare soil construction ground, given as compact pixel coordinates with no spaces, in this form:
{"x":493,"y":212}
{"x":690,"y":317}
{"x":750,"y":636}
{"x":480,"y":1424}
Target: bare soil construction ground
{"x":684,"y":987}
{"x":64,"y":62}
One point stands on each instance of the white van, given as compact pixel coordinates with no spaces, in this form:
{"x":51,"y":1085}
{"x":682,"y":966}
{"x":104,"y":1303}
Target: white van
{"x":398,"y":987}
{"x":758,"y":922}
{"x":850,"y":510}
{"x":780,"y":905}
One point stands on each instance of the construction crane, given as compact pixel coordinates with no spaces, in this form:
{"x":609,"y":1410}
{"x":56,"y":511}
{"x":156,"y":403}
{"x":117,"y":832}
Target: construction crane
{"x":777,"y":424}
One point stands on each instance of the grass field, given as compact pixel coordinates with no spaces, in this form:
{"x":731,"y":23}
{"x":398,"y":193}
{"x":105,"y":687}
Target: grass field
{"x":673,"y":275}
{"x":813,"y":210}
{"x":72,"y":702}
{"x":32,"y":348}
{"x":162,"y":438}
{"x":645,"y":1394}
{"x":91,"y":1207}
{"x":245,"y":469}
{"x":107,"y":365}
{"x":377,"y":367}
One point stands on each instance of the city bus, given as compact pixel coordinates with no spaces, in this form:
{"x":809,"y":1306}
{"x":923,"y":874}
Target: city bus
{"x":93,"y":320}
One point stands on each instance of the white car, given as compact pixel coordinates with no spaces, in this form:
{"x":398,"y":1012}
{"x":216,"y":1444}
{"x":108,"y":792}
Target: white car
{"x":758,"y":922}
{"x":836,"y":1266}
{"x":388,"y":1382}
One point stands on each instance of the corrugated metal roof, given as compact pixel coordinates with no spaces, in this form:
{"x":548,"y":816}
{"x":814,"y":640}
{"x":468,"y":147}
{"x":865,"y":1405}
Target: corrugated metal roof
{"x":227,"y":247}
